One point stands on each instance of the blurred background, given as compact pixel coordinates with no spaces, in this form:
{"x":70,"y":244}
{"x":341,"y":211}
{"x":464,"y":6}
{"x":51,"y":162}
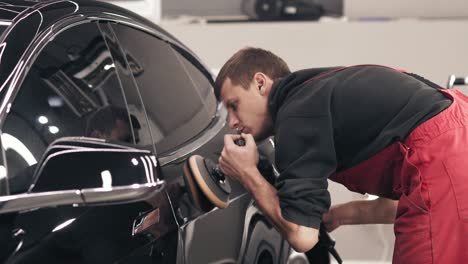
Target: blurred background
{"x":428,"y":37}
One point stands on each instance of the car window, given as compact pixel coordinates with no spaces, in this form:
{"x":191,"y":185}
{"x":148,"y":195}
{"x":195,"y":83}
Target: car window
{"x":177,"y":98}
{"x":200,"y":82}
{"x":72,"y":89}
{"x":126,"y":67}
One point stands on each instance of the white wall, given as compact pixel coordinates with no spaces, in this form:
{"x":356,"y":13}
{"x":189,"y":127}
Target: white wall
{"x":432,"y":48}
{"x":405,"y":8}
{"x":350,"y":8}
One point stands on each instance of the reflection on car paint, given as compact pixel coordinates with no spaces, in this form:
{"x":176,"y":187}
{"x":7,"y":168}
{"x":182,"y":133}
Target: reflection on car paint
{"x":69,"y":70}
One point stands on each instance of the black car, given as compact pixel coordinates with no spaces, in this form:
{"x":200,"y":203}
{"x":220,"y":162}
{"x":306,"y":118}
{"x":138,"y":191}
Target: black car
{"x":99,"y":111}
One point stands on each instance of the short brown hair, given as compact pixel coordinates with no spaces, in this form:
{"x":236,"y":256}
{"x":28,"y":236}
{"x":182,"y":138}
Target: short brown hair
{"x":242,"y":66}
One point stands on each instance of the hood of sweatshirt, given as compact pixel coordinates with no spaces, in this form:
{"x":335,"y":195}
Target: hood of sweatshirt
{"x":283,"y":87}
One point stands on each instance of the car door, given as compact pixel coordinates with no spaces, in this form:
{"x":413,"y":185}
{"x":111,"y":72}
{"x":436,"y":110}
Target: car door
{"x":73,"y":89}
{"x":185,"y":119}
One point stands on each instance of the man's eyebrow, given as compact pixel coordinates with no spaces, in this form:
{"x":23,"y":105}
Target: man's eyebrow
{"x":230,"y":103}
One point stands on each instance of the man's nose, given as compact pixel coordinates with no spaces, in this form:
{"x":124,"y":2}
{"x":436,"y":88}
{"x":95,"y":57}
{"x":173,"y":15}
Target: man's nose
{"x":233,"y":122}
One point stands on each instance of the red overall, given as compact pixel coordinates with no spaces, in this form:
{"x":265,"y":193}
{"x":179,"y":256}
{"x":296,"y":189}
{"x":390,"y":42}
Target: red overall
{"x":428,"y":173}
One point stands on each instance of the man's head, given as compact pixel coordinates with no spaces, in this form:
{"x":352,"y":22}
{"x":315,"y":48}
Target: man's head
{"x":112,"y":123}
{"x":243,"y":85}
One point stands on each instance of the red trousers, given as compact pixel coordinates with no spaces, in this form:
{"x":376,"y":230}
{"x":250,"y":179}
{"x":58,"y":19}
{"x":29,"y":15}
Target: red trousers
{"x":428,"y":174}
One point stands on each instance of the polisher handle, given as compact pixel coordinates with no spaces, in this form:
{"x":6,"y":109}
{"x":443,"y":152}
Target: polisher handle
{"x":240,"y":142}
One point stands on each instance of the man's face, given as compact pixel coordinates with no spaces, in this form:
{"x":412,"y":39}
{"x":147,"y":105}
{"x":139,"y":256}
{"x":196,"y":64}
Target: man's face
{"x":121,"y":132}
{"x":247,"y":108}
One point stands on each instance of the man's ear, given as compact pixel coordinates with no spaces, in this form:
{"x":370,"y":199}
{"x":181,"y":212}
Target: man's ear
{"x":263,"y":83}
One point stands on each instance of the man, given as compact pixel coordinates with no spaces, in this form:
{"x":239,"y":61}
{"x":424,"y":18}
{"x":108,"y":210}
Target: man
{"x":113,"y":123}
{"x":374,"y":129}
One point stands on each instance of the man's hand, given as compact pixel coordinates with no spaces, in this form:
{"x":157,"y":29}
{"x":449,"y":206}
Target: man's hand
{"x":238,"y":162}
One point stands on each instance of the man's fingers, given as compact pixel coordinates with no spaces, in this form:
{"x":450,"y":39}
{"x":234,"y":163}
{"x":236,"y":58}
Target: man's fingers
{"x":229,"y":139}
{"x":224,"y":167}
{"x":223,"y":153}
{"x":221,"y":164}
{"x":249,"y":139}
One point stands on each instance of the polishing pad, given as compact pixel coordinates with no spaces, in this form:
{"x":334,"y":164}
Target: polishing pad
{"x":195,"y":193}
{"x":209,"y":181}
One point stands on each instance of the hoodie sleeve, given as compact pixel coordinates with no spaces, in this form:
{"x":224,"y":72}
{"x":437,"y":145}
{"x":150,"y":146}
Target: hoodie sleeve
{"x":305,"y":158}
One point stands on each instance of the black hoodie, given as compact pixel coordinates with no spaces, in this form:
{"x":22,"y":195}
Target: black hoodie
{"x":328,"y":120}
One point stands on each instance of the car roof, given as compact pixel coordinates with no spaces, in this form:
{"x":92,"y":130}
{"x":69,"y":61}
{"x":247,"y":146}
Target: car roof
{"x":14,"y":10}
{"x":9,"y":9}
{"x":26,"y":20}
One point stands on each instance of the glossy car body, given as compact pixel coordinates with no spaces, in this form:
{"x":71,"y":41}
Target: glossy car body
{"x":99,"y":109}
